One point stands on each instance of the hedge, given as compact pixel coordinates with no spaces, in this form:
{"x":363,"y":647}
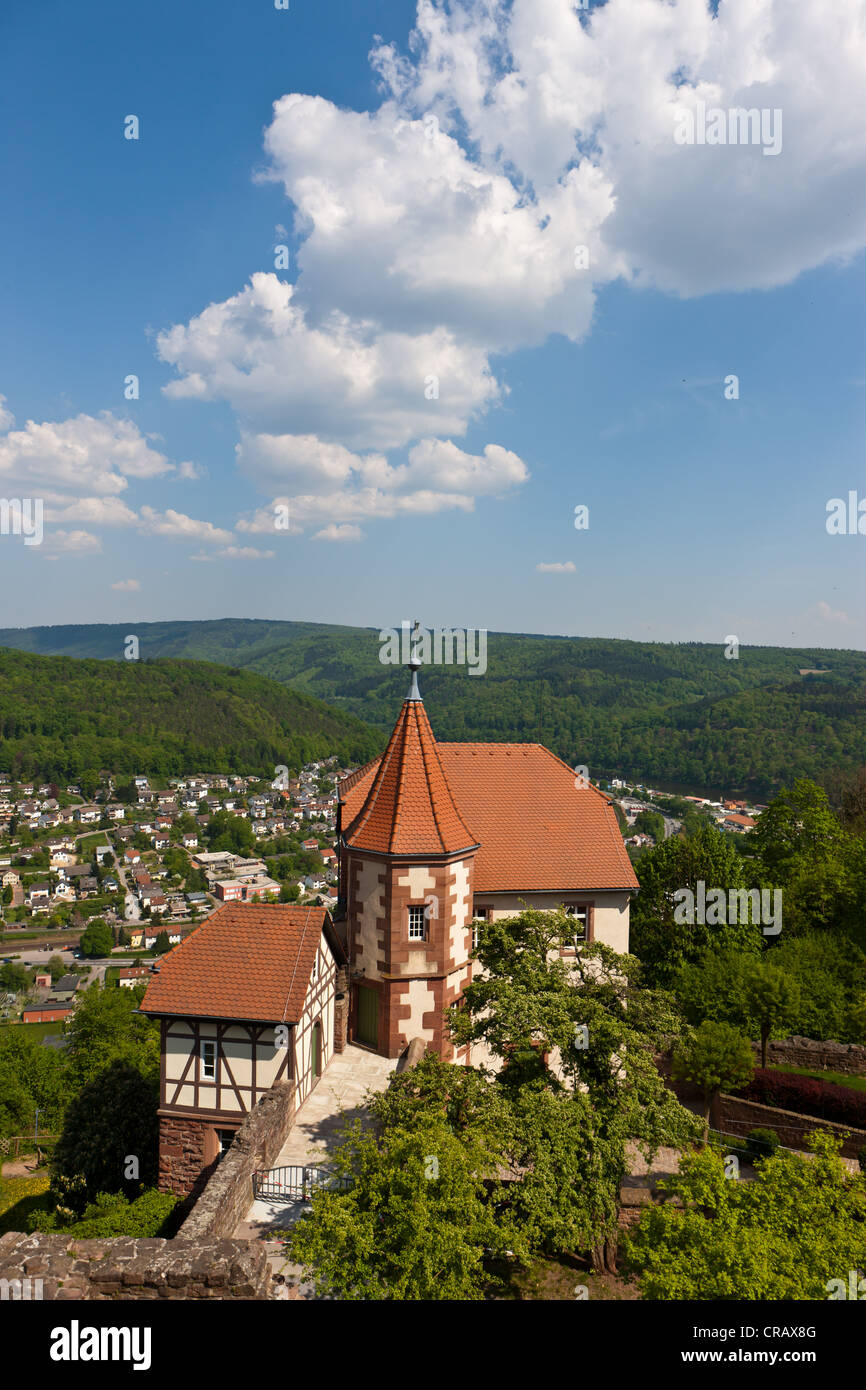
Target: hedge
{"x":807,"y":1096}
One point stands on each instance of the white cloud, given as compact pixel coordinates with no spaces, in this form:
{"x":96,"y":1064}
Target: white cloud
{"x":363,"y":504}
{"x":177,"y":526}
{"x":540,"y":89}
{"x":70,"y":543}
{"x":127,"y":586}
{"x":346,"y":382}
{"x":84,"y":455}
{"x":189,"y":471}
{"x":522,"y":157}
{"x":411,"y":231}
{"x":235,"y":552}
{"x":102,"y":511}
{"x":822,"y":612}
{"x":339,"y":533}
{"x":557,"y":567}
{"x":439,"y":476}
{"x":7,"y":419}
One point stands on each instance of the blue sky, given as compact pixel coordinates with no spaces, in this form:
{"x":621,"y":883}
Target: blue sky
{"x":431,"y":201}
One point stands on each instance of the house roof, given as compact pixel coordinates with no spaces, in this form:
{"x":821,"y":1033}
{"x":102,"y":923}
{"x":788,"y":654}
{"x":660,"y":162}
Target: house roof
{"x":537,"y":831}
{"x":244,"y":962}
{"x":408,"y":806}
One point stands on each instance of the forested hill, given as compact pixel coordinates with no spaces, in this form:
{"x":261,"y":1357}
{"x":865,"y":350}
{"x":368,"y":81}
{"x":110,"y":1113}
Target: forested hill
{"x":61,"y":718}
{"x":677,"y":713}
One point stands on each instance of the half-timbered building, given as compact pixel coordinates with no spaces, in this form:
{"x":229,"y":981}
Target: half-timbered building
{"x":249,"y":1000}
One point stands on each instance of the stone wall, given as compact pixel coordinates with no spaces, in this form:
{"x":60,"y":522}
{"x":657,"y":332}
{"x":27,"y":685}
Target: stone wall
{"x":228,"y":1194}
{"x":71,"y":1268}
{"x":183,"y":1163}
{"x":341,"y":1009}
{"x":849,"y":1058}
{"x":732,"y":1115}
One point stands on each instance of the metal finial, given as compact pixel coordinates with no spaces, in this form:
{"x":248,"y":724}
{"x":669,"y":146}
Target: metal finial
{"x":414,"y":664}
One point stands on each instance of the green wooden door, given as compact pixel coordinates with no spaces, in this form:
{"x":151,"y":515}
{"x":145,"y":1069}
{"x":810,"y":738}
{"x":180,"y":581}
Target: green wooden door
{"x":368,"y":1016}
{"x":317,"y":1051}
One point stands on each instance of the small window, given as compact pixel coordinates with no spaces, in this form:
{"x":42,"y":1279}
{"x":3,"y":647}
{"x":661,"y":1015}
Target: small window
{"x":416,"y":923}
{"x":225,"y":1139}
{"x":479,"y":915}
{"x":580,"y":919}
{"x":315,"y":975}
{"x":208,"y":1060}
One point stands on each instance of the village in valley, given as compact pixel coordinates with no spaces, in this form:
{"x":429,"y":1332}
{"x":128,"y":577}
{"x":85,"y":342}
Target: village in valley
{"x":143,"y":865}
{"x":144,"y":868}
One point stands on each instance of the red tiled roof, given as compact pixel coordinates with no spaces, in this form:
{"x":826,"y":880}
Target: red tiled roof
{"x":537,"y":831}
{"x":246,"y":962}
{"x":408,"y":807}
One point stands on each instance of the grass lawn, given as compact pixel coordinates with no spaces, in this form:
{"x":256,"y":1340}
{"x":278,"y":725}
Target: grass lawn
{"x":854,"y":1083}
{"x":20,"y":1198}
{"x":100,"y":837}
{"x":36,"y":1030}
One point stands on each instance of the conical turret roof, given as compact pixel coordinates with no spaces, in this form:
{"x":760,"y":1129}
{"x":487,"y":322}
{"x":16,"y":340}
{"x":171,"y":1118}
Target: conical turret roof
{"x":410,"y":808}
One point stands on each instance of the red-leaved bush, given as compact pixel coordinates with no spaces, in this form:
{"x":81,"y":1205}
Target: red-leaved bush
{"x":808,"y":1096}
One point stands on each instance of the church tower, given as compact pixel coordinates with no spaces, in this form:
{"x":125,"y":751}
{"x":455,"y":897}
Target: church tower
{"x":407,"y":860}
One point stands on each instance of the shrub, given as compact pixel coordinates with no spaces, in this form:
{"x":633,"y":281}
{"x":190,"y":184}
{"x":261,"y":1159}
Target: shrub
{"x":763,"y":1143}
{"x":861,"y":1158}
{"x":112,"y":1214}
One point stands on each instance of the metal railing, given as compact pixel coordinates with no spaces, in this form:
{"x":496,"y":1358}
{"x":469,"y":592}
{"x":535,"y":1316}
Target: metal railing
{"x":295,"y":1182}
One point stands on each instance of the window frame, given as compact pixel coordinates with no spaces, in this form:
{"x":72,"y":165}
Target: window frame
{"x":414,"y":908}
{"x":572,"y":908}
{"x":479,"y":914}
{"x":204,"y":1045}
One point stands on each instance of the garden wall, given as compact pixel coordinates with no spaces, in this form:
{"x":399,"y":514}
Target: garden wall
{"x":735,"y":1116}
{"x":849,"y":1058}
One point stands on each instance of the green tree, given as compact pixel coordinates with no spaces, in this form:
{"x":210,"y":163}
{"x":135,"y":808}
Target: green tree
{"x":110,"y":1121}
{"x":232,"y":833}
{"x":650,"y":823}
{"x":104,"y":1028}
{"x":662,"y":943}
{"x":716,"y":1057}
{"x":56,"y":967}
{"x":714,"y":987}
{"x":415,"y":1223}
{"x":14,"y":976}
{"x":31,"y":1076}
{"x":97,"y":939}
{"x":772,"y":997}
{"x":792,"y":1234}
{"x":161,"y":944}
{"x":7,"y":895}
{"x":585,"y":1031}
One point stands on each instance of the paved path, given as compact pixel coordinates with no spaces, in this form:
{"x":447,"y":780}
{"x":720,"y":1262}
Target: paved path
{"x":339,"y":1096}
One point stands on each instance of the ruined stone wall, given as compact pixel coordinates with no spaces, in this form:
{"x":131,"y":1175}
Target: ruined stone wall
{"x":71,"y":1268}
